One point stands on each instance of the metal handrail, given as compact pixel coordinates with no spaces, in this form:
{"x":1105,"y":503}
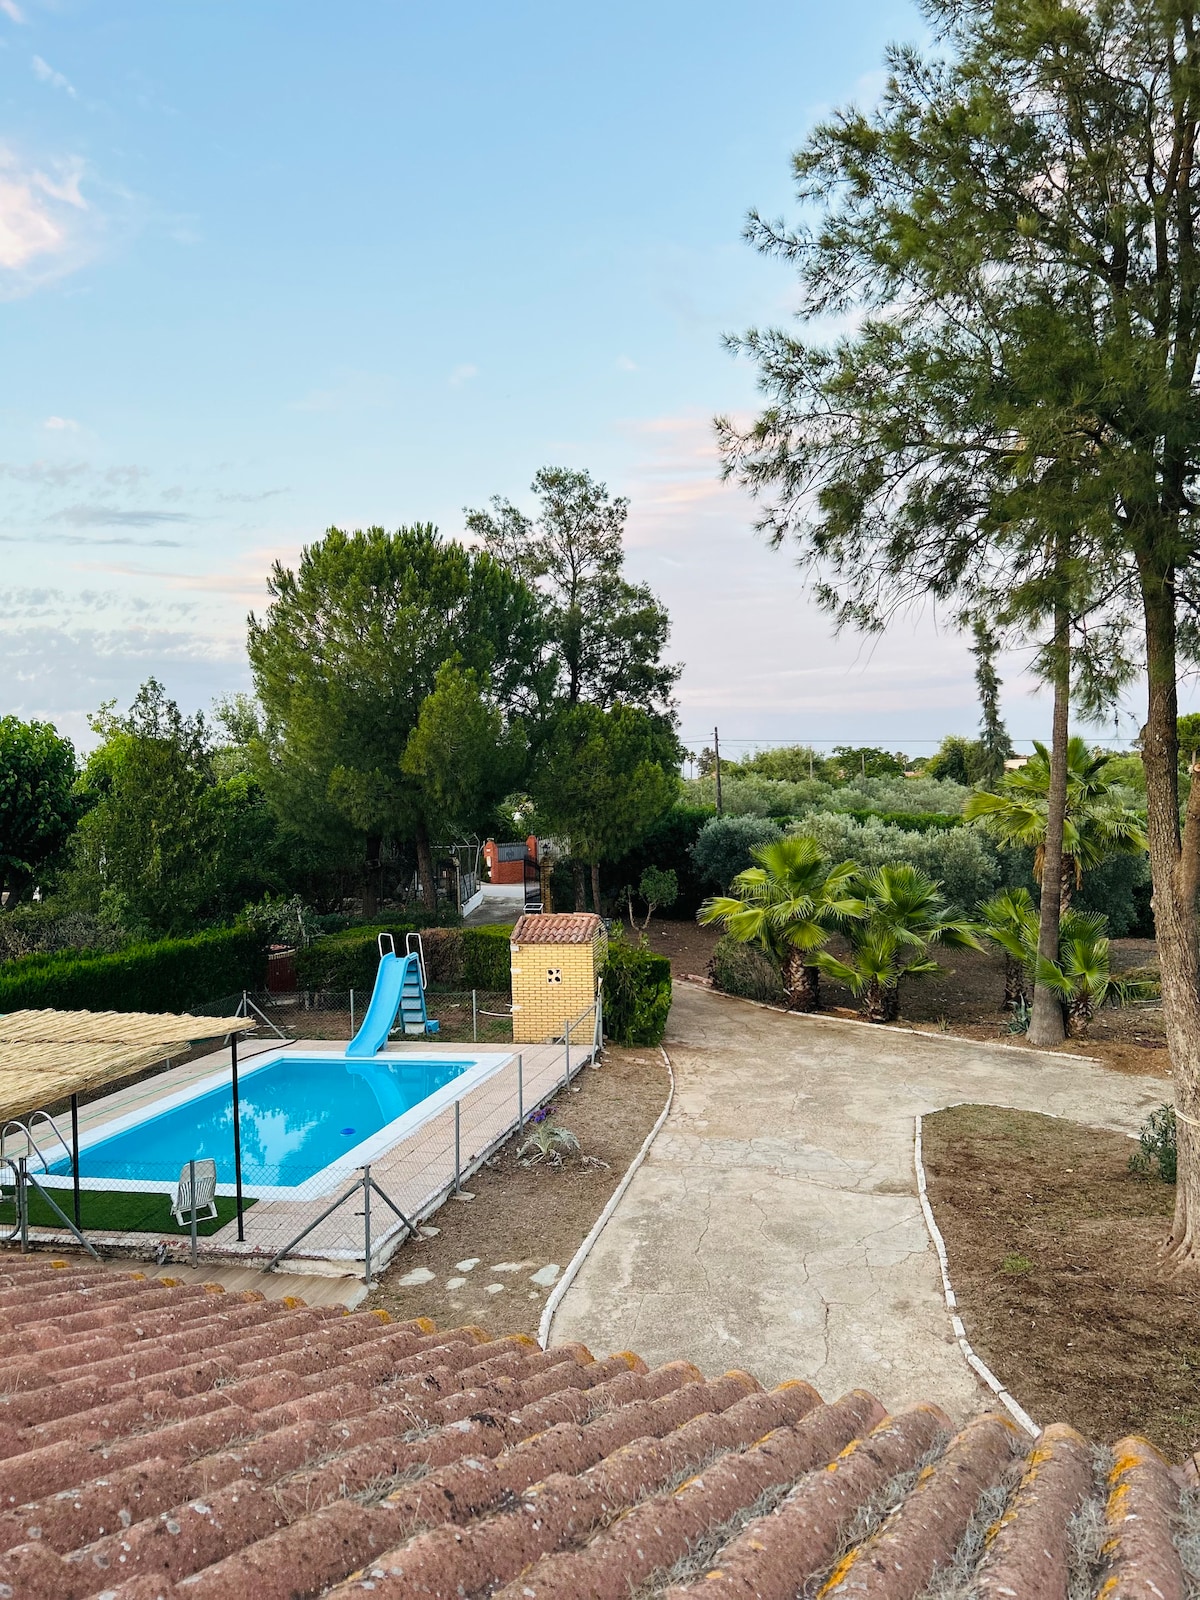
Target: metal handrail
{"x":419,"y":952}
{"x":15,"y":1125}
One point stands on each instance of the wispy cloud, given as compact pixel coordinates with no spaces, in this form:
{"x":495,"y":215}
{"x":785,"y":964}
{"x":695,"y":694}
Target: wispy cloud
{"x":625,"y":364}
{"x":61,"y":424}
{"x":46,"y":228}
{"x":89,"y":541}
{"x":463,"y":374}
{"x":45,"y":73}
{"x":12,"y":10}
{"x":250,"y":499}
{"x":101,"y":516}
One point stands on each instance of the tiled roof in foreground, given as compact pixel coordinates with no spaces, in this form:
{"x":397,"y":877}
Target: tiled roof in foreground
{"x":172,"y":1441}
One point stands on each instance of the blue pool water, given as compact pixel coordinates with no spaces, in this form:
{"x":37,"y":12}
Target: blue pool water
{"x":298,"y":1114}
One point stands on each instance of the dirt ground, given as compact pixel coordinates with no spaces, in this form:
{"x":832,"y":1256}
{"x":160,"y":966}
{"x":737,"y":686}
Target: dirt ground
{"x":1053,"y":1249}
{"x":965,"y":997}
{"x":482,"y":1257}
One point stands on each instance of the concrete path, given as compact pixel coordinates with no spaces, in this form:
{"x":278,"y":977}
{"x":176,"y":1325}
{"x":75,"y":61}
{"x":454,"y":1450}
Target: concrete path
{"x":775,"y":1223}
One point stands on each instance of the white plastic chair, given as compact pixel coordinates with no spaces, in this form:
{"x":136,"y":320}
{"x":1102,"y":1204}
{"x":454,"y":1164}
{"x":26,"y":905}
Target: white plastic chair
{"x":206,"y":1193}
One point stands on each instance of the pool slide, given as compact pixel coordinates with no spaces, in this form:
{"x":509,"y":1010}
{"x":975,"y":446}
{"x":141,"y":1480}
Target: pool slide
{"x":399,"y":989}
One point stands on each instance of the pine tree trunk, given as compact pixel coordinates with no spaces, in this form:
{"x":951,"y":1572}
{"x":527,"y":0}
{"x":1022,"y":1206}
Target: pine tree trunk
{"x":425,"y":869}
{"x":370,"y":887}
{"x":580,"y":883}
{"x":596,"y":887}
{"x":1046,"y":1027}
{"x":1175,"y":871}
{"x":801,"y":983}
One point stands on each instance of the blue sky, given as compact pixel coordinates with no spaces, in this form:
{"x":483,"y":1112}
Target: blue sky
{"x":268,"y":267}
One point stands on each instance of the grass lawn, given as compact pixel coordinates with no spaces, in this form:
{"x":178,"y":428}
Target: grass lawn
{"x":117,"y":1211}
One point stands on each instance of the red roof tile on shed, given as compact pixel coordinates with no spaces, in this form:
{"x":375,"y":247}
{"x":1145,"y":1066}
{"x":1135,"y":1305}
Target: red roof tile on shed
{"x":166,"y":1442}
{"x":557,"y":927}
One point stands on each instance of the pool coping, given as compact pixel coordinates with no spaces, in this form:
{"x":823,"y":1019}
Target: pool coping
{"x":484,"y":1064}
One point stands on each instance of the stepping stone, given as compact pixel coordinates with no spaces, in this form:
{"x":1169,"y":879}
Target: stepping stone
{"x":468,"y":1265}
{"x":545,"y":1276}
{"x":416,"y":1276}
{"x":428,"y":1231}
{"x":511,"y":1266}
{"x":455,"y":1283}
{"x":494,"y":1288}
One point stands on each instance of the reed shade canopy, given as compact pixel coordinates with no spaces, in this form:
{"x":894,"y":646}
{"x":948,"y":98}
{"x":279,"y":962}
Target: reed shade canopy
{"x":48,"y":1056}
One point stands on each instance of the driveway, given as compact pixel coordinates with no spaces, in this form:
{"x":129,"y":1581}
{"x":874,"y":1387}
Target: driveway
{"x":775,"y":1226}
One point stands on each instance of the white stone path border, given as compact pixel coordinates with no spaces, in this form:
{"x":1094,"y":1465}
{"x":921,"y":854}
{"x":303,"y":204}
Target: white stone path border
{"x":585,"y":1249}
{"x":1013,"y":1407}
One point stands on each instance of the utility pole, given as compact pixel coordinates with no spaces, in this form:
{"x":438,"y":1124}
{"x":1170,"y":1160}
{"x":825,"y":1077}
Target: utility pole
{"x":717,"y":762}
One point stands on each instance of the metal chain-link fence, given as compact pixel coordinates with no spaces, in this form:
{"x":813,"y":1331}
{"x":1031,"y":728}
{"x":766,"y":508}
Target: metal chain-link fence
{"x":297,"y":1155}
{"x":477,"y":1016}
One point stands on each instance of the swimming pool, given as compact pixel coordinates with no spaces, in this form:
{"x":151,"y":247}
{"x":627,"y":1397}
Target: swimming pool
{"x":302,"y":1119}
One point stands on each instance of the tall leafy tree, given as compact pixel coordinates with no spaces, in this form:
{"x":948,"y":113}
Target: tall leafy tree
{"x":348,"y":652}
{"x":166,"y":844}
{"x":601,"y":780}
{"x":607,"y":635}
{"x":1016,"y":231}
{"x":38,"y":805}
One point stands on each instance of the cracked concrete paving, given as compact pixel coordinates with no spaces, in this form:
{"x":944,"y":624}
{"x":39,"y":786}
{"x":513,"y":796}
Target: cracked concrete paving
{"x":775,"y":1225}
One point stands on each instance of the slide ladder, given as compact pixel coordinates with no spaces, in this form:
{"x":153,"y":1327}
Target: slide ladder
{"x":399,"y":995}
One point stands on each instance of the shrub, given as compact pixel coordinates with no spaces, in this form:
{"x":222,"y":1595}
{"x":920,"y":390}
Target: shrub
{"x":455,"y":958}
{"x":167,"y":975}
{"x":1156,"y":1146}
{"x":487,"y":960}
{"x":723,"y":847}
{"x":667,"y":846}
{"x":963,"y":862}
{"x":44,"y":927}
{"x":744,"y":970}
{"x":637,"y":994}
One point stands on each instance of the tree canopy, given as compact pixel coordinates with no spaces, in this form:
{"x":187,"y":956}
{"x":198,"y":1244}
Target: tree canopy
{"x":38,"y":805}
{"x":348,"y":653}
{"x":606,"y":635}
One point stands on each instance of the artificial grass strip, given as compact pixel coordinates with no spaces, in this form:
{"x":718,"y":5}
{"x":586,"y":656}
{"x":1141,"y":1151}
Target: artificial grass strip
{"x":121,"y":1211}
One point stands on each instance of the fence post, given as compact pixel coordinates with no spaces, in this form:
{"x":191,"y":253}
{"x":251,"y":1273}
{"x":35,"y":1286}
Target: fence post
{"x":192,"y":1183}
{"x":520,"y":1091}
{"x":457,"y":1143}
{"x":352,"y":1029}
{"x":23,"y":1202}
{"x":474,"y":1018}
{"x":367,"y":1226}
{"x":567,"y":1067}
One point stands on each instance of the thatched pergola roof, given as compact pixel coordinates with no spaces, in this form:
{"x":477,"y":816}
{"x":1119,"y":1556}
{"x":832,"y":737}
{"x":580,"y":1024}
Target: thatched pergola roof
{"x":47,"y":1056}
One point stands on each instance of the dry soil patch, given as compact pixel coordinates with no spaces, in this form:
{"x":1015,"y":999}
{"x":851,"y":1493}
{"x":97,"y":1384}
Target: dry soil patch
{"x":1053,"y":1250}
{"x":491,"y":1260}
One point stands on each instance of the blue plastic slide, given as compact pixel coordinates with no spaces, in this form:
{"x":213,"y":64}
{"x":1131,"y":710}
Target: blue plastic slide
{"x":399,"y":990}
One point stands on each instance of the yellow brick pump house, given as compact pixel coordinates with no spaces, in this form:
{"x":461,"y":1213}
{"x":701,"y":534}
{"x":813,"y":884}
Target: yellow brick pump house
{"x":556,"y":964}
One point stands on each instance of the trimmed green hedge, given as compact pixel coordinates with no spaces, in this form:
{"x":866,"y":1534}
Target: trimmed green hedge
{"x":455,"y":958}
{"x":167,"y":975}
{"x":913,"y":821}
{"x":637,"y":994}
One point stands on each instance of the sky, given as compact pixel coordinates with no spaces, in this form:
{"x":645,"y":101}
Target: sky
{"x":271,"y":267}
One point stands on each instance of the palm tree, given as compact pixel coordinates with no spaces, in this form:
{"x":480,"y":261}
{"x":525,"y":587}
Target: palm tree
{"x":1010,"y":921}
{"x":788,"y":903}
{"x":902,"y":914}
{"x":1081,"y":977}
{"x":1097,"y":827}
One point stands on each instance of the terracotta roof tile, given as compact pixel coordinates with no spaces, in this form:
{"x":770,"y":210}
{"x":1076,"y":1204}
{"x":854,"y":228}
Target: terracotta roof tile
{"x":212,"y":1447}
{"x":556,"y":927}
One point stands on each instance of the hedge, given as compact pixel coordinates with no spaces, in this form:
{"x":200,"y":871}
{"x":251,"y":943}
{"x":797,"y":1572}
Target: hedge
{"x":743,"y":969}
{"x":637,"y":994}
{"x":166,"y":975}
{"x":455,"y":958}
